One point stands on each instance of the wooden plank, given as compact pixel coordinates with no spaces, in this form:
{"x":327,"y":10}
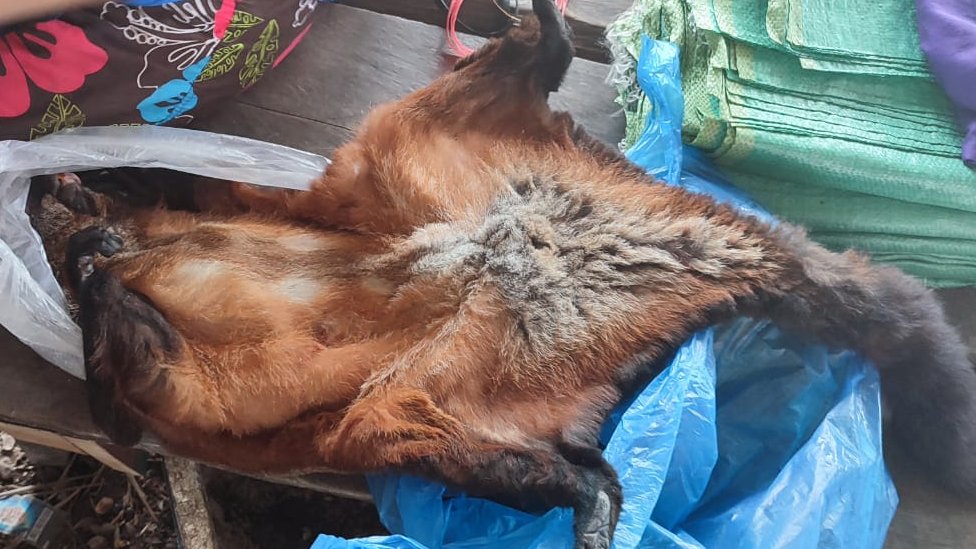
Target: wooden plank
{"x":246,"y":120}
{"x":74,"y":445}
{"x":347,"y":486}
{"x":587,"y":18}
{"x":39,"y":437}
{"x":35,"y":393}
{"x":50,"y":439}
{"x":927,"y":516}
{"x":483,"y":16}
{"x":190,"y":504}
{"x":103,"y":455}
{"x":329,"y":81}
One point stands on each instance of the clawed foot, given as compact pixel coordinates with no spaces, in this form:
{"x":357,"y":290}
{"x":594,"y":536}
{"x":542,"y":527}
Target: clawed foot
{"x":82,"y":247}
{"x":70,"y":192}
{"x":597,"y":511}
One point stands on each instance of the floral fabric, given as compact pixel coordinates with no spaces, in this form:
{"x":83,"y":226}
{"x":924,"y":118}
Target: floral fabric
{"x":140,"y":62}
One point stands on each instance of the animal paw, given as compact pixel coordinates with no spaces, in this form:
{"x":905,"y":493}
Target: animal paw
{"x":95,"y":240}
{"x":597,"y":509}
{"x":84,"y":244}
{"x":73,"y":195}
{"x":594,"y":523}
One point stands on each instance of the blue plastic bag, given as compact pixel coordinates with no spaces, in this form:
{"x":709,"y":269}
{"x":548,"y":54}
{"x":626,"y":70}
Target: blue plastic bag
{"x":658,"y":150}
{"x":748,"y":439}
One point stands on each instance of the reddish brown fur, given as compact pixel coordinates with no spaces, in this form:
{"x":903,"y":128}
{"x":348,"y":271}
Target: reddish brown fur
{"x":382,"y":319}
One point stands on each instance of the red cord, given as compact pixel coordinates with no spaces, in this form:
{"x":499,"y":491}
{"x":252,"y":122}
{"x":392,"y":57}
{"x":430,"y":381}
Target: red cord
{"x":452,"y":38}
{"x":454,"y":42}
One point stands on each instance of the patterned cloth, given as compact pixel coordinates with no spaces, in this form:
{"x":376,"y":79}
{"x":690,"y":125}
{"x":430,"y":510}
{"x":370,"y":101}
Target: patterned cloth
{"x":140,"y":62}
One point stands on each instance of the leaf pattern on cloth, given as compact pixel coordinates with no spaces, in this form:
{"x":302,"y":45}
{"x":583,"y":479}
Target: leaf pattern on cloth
{"x":304,"y":11}
{"x":222,"y":62}
{"x":240,"y":24}
{"x":60,"y":114}
{"x":174,"y":98}
{"x":261,"y":55}
{"x":128,"y":61}
{"x":178,"y":34}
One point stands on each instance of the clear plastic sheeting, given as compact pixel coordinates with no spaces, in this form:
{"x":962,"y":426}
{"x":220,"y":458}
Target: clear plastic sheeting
{"x":32,"y":306}
{"x":749,"y":439}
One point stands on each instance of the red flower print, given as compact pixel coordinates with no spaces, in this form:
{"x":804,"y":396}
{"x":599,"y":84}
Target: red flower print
{"x":223,"y":18}
{"x":14,"y":95}
{"x":54,"y":55}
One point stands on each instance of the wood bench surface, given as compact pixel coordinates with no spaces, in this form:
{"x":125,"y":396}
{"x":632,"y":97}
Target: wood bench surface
{"x":351,"y":60}
{"x":587,"y":18}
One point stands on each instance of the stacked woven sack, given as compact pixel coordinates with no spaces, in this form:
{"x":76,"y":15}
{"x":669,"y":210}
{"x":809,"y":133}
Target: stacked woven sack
{"x":826,"y":113}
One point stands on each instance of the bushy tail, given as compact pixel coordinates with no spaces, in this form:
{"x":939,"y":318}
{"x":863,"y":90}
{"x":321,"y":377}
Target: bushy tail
{"x":928,"y":381}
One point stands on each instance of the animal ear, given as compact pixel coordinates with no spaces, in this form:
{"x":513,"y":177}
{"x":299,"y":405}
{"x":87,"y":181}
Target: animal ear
{"x":554,"y":50}
{"x":540,"y":48}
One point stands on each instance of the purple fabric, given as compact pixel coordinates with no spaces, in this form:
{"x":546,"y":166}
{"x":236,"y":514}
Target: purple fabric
{"x":947,"y":29}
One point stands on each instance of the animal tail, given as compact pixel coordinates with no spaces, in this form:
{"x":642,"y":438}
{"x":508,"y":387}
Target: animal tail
{"x":928,"y":381}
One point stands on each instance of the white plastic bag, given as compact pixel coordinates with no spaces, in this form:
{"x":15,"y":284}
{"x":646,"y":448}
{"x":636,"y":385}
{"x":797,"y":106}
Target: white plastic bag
{"x":32,"y":305}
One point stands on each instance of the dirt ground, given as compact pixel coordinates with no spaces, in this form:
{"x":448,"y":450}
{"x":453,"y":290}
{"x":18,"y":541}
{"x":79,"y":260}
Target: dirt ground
{"x":252,"y":514}
{"x":109,"y":510}
{"x":105,"y":508}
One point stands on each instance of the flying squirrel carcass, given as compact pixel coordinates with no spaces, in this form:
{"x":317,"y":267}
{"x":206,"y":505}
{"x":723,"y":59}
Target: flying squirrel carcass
{"x":465,"y":294}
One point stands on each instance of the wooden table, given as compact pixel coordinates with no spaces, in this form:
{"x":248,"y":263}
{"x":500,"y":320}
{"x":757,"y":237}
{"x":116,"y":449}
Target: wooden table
{"x":352,"y":60}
